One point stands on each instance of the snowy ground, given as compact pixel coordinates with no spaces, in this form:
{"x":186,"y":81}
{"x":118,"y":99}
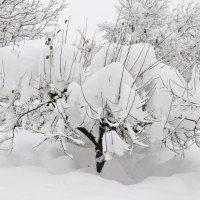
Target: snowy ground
{"x":46,"y":174}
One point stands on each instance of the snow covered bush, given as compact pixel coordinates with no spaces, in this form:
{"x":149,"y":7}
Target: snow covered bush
{"x":182,"y":38}
{"x":138,"y":21}
{"x":54,"y":99}
{"x":182,"y":125}
{"x":24,"y":19}
{"x":173,"y":33}
{"x":129,"y":101}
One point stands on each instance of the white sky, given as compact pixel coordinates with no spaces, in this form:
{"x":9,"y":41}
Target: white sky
{"x":95,"y":11}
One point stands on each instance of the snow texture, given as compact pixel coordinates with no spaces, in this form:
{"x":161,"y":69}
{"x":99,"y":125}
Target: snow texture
{"x":46,"y":173}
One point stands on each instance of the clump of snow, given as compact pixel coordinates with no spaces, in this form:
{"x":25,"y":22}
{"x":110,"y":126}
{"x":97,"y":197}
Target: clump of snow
{"x":105,"y":84}
{"x":137,"y":58}
{"x":31,"y":60}
{"x":113,"y":144}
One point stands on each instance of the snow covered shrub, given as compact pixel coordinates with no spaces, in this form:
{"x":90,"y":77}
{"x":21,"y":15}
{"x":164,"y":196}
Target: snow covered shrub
{"x":54,"y":99}
{"x":112,"y":113}
{"x":174,"y":103}
{"x":138,"y":21}
{"x":173,"y":33}
{"x":182,"y":126}
{"x":24,"y":19}
{"x":129,"y":102}
{"x":169,"y":98}
{"x":182,"y":38}
{"x":35,"y":75}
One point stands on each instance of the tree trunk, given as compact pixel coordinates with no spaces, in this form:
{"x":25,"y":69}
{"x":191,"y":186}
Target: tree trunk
{"x":100,"y":161}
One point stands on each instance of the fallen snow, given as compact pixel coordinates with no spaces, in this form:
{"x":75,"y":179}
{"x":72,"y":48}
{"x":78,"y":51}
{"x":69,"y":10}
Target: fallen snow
{"x":47,"y":174}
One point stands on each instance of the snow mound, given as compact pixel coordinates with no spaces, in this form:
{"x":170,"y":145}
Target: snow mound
{"x":31,"y":60}
{"x":137,"y":59}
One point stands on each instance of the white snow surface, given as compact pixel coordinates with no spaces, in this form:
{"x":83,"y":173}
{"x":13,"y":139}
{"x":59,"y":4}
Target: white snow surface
{"x":47,"y":174}
{"x":138,"y":58}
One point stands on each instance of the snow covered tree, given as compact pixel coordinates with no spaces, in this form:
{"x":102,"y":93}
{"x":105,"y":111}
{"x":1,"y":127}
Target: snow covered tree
{"x":26,"y":19}
{"x":106,"y":111}
{"x":173,"y":33}
{"x":129,"y":101}
{"x":182,"y":38}
{"x":110,"y":119}
{"x":138,"y":21}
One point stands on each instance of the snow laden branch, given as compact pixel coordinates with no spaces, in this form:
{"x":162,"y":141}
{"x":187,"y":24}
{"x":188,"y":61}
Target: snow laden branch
{"x":174,"y":33}
{"x":23,"y":19}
